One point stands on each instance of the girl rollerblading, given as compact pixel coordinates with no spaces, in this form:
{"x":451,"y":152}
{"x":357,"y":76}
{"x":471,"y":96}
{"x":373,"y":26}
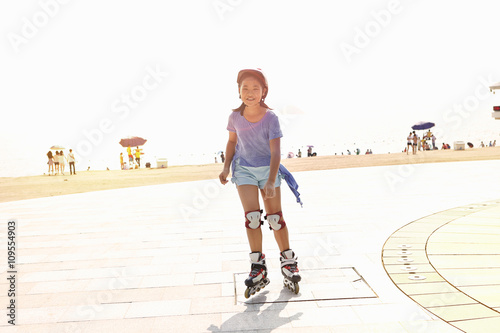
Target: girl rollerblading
{"x":253,"y":154}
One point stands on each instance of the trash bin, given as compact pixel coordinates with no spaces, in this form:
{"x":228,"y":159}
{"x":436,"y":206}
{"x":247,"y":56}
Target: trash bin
{"x":161,"y":163}
{"x":459,"y":145}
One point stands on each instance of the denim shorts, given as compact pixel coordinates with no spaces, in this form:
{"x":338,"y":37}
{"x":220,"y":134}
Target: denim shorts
{"x":258,"y":176}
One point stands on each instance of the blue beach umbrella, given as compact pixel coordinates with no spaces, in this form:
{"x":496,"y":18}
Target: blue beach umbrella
{"x":422,"y":125}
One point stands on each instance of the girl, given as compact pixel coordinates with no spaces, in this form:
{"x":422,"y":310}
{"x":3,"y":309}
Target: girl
{"x":56,"y":162}
{"x":62,"y":161}
{"x":50,"y":162}
{"x":253,"y":149}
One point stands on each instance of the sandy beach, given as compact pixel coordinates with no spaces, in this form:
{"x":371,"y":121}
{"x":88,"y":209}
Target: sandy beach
{"x":20,"y":188}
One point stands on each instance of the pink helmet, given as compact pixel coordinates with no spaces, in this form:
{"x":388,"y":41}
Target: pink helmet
{"x":257,"y":72}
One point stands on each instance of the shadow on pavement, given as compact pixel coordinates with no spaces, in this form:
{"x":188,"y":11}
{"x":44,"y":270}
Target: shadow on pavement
{"x":255,"y":319}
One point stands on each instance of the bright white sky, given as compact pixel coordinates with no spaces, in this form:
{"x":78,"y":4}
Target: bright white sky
{"x":339,"y":71}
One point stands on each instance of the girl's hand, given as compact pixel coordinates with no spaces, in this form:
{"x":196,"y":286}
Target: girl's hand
{"x":269,"y":190}
{"x":223,"y":176}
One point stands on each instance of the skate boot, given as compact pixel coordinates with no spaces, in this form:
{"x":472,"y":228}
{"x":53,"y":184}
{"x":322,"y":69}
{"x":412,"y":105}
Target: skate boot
{"x":290,"y":270}
{"x":257,"y":279}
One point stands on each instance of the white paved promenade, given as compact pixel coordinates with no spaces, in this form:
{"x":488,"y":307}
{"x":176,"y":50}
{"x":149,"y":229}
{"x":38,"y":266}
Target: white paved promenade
{"x":165,"y":258}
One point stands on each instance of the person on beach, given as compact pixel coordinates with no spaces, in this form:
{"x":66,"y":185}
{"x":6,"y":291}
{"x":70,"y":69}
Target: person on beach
{"x":122,"y":164}
{"x":415,"y":142}
{"x":138,"y":156}
{"x":253,"y":152}
{"x":130,"y":157}
{"x":62,"y":161}
{"x":71,"y":162}
{"x":50,"y":162}
{"x":409,"y":143}
{"x":56,"y":162}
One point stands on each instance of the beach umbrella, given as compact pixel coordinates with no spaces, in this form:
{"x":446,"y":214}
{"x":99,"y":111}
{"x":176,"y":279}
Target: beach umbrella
{"x":133,"y":141}
{"x":57,"y":148}
{"x":423,"y":125}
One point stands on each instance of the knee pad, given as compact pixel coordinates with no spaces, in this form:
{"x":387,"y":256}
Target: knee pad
{"x":253,"y":219}
{"x":274,"y":221}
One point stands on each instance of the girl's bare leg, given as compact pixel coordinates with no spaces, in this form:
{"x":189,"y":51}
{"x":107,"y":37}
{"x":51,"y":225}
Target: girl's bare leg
{"x":249,"y":196}
{"x":273,"y":205}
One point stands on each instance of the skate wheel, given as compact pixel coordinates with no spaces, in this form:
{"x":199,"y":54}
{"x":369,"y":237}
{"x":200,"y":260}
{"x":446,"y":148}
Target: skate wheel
{"x":296,"y":285}
{"x":247,"y":293}
{"x":258,"y":289}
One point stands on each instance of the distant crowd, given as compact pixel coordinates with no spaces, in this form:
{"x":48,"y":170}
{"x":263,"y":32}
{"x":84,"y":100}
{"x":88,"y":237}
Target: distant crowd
{"x":131,"y":165}
{"x":428,"y":142}
{"x":57,"y":162}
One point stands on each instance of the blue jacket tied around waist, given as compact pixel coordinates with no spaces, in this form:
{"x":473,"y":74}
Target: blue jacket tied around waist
{"x":292,"y":184}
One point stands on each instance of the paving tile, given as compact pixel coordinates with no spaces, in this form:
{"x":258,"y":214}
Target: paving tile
{"x":206,"y":305}
{"x":325,"y":317}
{"x":411,"y":260}
{"x":59,"y":286}
{"x":472,"y":277}
{"x":95,"y":311}
{"x":158,"y":308}
{"x":402,"y":252}
{"x":418,"y":268}
{"x":463,"y":312}
{"x":52,"y":328}
{"x":41,"y":315}
{"x":485,"y":325}
{"x":444,"y":261}
{"x":194,"y":291}
{"x":488,"y":295}
{"x":167,"y":280}
{"x":443,"y":299}
{"x":450,"y":237}
{"x":191,"y":323}
{"x":212,"y":277}
{"x":435,"y":326}
{"x":472,"y":229}
{"x":434,"y":248}
{"x":387,"y":312}
{"x":414,"y":277}
{"x":426,"y":288}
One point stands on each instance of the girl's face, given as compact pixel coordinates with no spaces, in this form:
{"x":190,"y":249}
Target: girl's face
{"x":251,"y":91}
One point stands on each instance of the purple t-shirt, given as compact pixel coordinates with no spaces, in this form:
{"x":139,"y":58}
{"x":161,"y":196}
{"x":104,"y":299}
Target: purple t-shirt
{"x":252,"y":148}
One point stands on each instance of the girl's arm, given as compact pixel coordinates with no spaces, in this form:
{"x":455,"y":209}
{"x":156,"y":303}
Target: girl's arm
{"x":275,"y":159}
{"x":230,"y":149}
{"x":269,"y":188}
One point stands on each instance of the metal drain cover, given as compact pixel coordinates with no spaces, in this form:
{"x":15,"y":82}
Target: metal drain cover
{"x":317,"y":285}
